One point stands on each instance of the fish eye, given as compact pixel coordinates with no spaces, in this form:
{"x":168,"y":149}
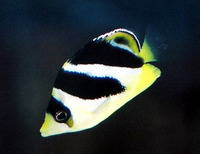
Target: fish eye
{"x":61,"y":116}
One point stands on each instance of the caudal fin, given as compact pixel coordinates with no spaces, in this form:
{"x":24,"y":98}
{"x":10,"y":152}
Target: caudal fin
{"x":153,"y":46}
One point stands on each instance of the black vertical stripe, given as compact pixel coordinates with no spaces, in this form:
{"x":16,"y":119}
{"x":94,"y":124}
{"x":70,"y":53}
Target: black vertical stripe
{"x":104,"y":53}
{"x":86,"y":87}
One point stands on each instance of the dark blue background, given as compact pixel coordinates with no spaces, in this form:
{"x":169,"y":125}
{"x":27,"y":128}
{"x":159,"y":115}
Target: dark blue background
{"x":37,"y":37}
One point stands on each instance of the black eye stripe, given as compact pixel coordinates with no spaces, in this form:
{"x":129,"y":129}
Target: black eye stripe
{"x":86,"y":87}
{"x":56,"y":106}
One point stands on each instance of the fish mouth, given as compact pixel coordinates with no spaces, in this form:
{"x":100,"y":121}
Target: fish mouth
{"x":50,"y":127}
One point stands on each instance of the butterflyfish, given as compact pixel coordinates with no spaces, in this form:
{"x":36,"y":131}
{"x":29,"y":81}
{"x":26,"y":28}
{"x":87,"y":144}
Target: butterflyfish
{"x":100,"y":78}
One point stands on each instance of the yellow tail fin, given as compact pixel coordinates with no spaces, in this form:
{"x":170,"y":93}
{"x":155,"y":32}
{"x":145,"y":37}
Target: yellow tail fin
{"x":147,"y":52}
{"x":154,"y":45}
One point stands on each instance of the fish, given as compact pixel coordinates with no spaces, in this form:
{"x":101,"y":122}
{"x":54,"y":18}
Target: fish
{"x":96,"y":81}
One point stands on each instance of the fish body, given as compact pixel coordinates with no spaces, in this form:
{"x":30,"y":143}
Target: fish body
{"x":99,"y":79}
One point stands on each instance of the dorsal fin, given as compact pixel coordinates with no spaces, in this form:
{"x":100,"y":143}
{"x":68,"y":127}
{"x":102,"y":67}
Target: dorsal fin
{"x":121,"y":38}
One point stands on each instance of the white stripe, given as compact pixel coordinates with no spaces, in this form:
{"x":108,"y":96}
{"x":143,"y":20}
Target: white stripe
{"x":76,"y":103}
{"x":122,"y":46}
{"x":99,"y":70}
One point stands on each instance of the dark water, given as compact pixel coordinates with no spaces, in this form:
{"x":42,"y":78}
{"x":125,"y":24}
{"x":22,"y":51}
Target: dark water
{"x":36,"y":37}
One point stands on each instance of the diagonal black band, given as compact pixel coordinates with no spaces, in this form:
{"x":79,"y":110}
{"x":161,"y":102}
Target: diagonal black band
{"x":86,"y":87}
{"x":104,"y":53}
